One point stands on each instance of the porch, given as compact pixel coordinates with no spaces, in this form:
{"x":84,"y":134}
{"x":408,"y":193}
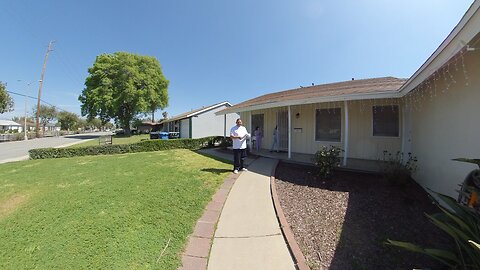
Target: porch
{"x":353,"y":164}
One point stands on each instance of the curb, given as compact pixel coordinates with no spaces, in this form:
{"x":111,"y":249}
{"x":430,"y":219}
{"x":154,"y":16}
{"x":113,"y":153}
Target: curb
{"x":195,"y":256}
{"x":294,"y":248}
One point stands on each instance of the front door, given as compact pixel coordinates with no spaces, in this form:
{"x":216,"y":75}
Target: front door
{"x":282,"y":124}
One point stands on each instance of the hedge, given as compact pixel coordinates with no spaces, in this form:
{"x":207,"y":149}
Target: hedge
{"x":144,"y":146}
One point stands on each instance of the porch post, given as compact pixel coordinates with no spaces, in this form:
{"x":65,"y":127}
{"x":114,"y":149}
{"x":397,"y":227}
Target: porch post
{"x":289,"y":132}
{"x":250,"y":129}
{"x":345,"y":140}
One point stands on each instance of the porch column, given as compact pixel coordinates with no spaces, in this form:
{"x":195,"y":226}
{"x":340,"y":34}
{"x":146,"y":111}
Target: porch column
{"x":345,"y":140}
{"x":224,"y":126}
{"x":289,"y":132}
{"x":250,"y":129}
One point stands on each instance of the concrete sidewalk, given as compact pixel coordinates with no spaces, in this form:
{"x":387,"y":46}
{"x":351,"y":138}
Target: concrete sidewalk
{"x":248,"y":234}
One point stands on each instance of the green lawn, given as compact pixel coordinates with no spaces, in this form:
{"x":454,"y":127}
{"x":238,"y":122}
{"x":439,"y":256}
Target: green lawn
{"x":116,"y":140}
{"x":103,"y":212}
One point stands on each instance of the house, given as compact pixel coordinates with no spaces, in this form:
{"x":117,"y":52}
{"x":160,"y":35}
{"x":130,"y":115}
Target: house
{"x":202,"y":122}
{"x":434,"y":114}
{"x":148,"y":126}
{"x":8,"y":125}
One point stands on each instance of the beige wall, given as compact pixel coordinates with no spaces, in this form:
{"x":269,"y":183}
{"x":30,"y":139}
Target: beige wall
{"x":208,"y":124}
{"x":362,"y":143}
{"x":447,"y":126}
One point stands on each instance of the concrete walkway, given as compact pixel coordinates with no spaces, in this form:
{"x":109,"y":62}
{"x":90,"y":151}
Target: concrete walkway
{"x":248,"y":235}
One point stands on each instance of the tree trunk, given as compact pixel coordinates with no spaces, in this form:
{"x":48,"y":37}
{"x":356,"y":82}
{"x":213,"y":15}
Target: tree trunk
{"x":153,"y":116}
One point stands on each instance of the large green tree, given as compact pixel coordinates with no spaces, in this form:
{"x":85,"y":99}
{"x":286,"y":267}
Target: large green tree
{"x":46,"y":115}
{"x":68,"y":121}
{"x":6,"y":101}
{"x":121,"y":86}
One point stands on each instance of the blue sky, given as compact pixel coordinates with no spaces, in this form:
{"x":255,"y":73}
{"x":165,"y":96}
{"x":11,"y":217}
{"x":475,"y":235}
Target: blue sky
{"x":219,"y":50}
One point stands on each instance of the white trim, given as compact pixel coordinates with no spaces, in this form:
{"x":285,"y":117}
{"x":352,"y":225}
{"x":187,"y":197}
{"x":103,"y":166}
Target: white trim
{"x":345,"y":147}
{"x":289,"y":132}
{"x":466,"y":29}
{"x":350,"y":97}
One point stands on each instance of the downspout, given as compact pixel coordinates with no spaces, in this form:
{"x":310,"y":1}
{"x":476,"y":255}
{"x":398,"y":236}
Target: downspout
{"x":289,"y":132}
{"x":345,"y":146}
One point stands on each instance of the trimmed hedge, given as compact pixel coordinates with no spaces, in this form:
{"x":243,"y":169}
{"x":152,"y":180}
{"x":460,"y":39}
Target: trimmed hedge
{"x":144,"y":146}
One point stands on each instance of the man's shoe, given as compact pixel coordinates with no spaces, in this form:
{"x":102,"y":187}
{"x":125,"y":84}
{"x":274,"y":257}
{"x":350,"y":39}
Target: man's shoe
{"x":244,"y":169}
{"x":235,"y":171}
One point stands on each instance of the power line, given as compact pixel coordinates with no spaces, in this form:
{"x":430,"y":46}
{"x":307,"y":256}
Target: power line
{"x":35,"y":98}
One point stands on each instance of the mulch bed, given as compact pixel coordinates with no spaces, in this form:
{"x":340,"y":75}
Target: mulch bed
{"x":342,"y":223}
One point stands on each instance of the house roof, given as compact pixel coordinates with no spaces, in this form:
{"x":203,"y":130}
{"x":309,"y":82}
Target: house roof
{"x":8,"y":123}
{"x":465,"y":34}
{"x":348,"y":90}
{"x":196,"y":112}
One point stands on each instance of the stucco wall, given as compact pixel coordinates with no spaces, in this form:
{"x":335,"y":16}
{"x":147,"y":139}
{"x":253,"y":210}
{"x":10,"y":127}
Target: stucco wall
{"x":185,"y":128}
{"x":446,"y":125}
{"x":362,"y":143}
{"x":209,"y":124}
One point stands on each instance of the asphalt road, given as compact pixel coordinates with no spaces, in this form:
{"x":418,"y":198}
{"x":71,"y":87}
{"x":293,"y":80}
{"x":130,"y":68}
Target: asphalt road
{"x":18,"y":150}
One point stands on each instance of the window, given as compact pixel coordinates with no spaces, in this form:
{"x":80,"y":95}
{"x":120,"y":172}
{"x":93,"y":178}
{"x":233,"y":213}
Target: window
{"x":328,"y":125}
{"x":386,"y":121}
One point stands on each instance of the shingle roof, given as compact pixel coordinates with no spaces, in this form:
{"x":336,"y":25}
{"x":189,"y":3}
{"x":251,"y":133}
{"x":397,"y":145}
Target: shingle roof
{"x":365,"y":86}
{"x":196,"y":112}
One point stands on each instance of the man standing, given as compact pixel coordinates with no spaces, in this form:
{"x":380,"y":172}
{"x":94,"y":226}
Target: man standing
{"x":239,"y":136}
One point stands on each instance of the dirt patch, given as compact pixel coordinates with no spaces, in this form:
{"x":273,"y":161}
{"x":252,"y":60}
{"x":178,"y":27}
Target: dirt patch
{"x":9,"y":205}
{"x":343,"y":223}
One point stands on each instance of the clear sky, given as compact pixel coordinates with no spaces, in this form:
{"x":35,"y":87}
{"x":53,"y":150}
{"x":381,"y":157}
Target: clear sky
{"x":216,"y":50}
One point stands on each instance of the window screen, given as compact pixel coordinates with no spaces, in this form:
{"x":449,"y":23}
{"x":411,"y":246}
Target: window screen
{"x":385,"y":121}
{"x":328,"y":125}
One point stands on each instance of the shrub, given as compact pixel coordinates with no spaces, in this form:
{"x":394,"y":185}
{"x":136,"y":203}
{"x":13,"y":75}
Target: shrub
{"x":143,"y":146}
{"x":225,"y":142}
{"x":397,"y":170}
{"x":463,"y":225}
{"x":326,"y":160}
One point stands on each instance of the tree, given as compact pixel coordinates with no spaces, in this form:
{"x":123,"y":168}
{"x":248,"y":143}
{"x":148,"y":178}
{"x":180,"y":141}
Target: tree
{"x":94,"y":123}
{"x":165,"y":115}
{"x":122,"y":85}
{"x":6,"y":101}
{"x":68,"y":121}
{"x":46,"y":115}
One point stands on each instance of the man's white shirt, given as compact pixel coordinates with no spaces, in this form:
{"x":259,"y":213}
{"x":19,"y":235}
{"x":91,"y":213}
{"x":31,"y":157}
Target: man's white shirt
{"x":239,"y":131}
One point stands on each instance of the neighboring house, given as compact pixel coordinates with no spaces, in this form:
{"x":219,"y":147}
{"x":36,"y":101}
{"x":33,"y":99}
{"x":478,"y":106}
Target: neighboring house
{"x":202,"y":122}
{"x":8,"y":125}
{"x":434,"y":114}
{"x":51,"y":127}
{"x":148,"y":126}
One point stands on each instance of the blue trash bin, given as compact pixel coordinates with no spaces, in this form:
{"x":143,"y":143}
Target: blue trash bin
{"x":164,"y":135}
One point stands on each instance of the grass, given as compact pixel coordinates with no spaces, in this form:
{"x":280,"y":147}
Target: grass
{"x":103,"y":212}
{"x":117,"y":139}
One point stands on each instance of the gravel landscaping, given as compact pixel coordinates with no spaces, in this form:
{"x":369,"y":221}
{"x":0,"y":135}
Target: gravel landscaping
{"x":342,"y":223}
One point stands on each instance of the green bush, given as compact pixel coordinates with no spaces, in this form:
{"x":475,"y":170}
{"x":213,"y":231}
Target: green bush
{"x":143,"y":146}
{"x":326,"y":160}
{"x":397,"y":169}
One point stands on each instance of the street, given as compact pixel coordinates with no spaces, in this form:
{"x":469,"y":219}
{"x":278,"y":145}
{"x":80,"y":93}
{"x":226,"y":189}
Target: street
{"x":18,"y":150}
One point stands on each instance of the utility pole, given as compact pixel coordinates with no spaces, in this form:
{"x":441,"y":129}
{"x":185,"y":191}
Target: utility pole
{"x":37,"y":128}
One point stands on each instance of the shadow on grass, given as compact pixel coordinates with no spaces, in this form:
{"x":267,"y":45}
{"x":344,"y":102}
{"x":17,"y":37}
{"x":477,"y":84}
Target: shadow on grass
{"x":215,"y":170}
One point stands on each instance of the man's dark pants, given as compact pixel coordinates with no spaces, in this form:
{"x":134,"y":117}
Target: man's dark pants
{"x":239,"y":156}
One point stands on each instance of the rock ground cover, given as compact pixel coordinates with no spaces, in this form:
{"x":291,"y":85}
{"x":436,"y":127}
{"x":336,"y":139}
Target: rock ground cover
{"x":342,"y":223}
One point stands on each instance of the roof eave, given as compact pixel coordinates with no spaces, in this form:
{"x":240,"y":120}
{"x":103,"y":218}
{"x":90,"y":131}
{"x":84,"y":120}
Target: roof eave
{"x":350,"y":97}
{"x":463,"y":32}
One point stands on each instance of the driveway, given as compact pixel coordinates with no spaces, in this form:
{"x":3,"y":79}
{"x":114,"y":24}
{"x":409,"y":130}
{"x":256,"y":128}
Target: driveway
{"x":14,"y":151}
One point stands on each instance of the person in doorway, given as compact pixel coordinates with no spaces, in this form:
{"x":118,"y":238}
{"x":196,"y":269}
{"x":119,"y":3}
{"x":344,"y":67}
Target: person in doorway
{"x":258,"y":135}
{"x":276,"y":140}
{"x":239,"y":136}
